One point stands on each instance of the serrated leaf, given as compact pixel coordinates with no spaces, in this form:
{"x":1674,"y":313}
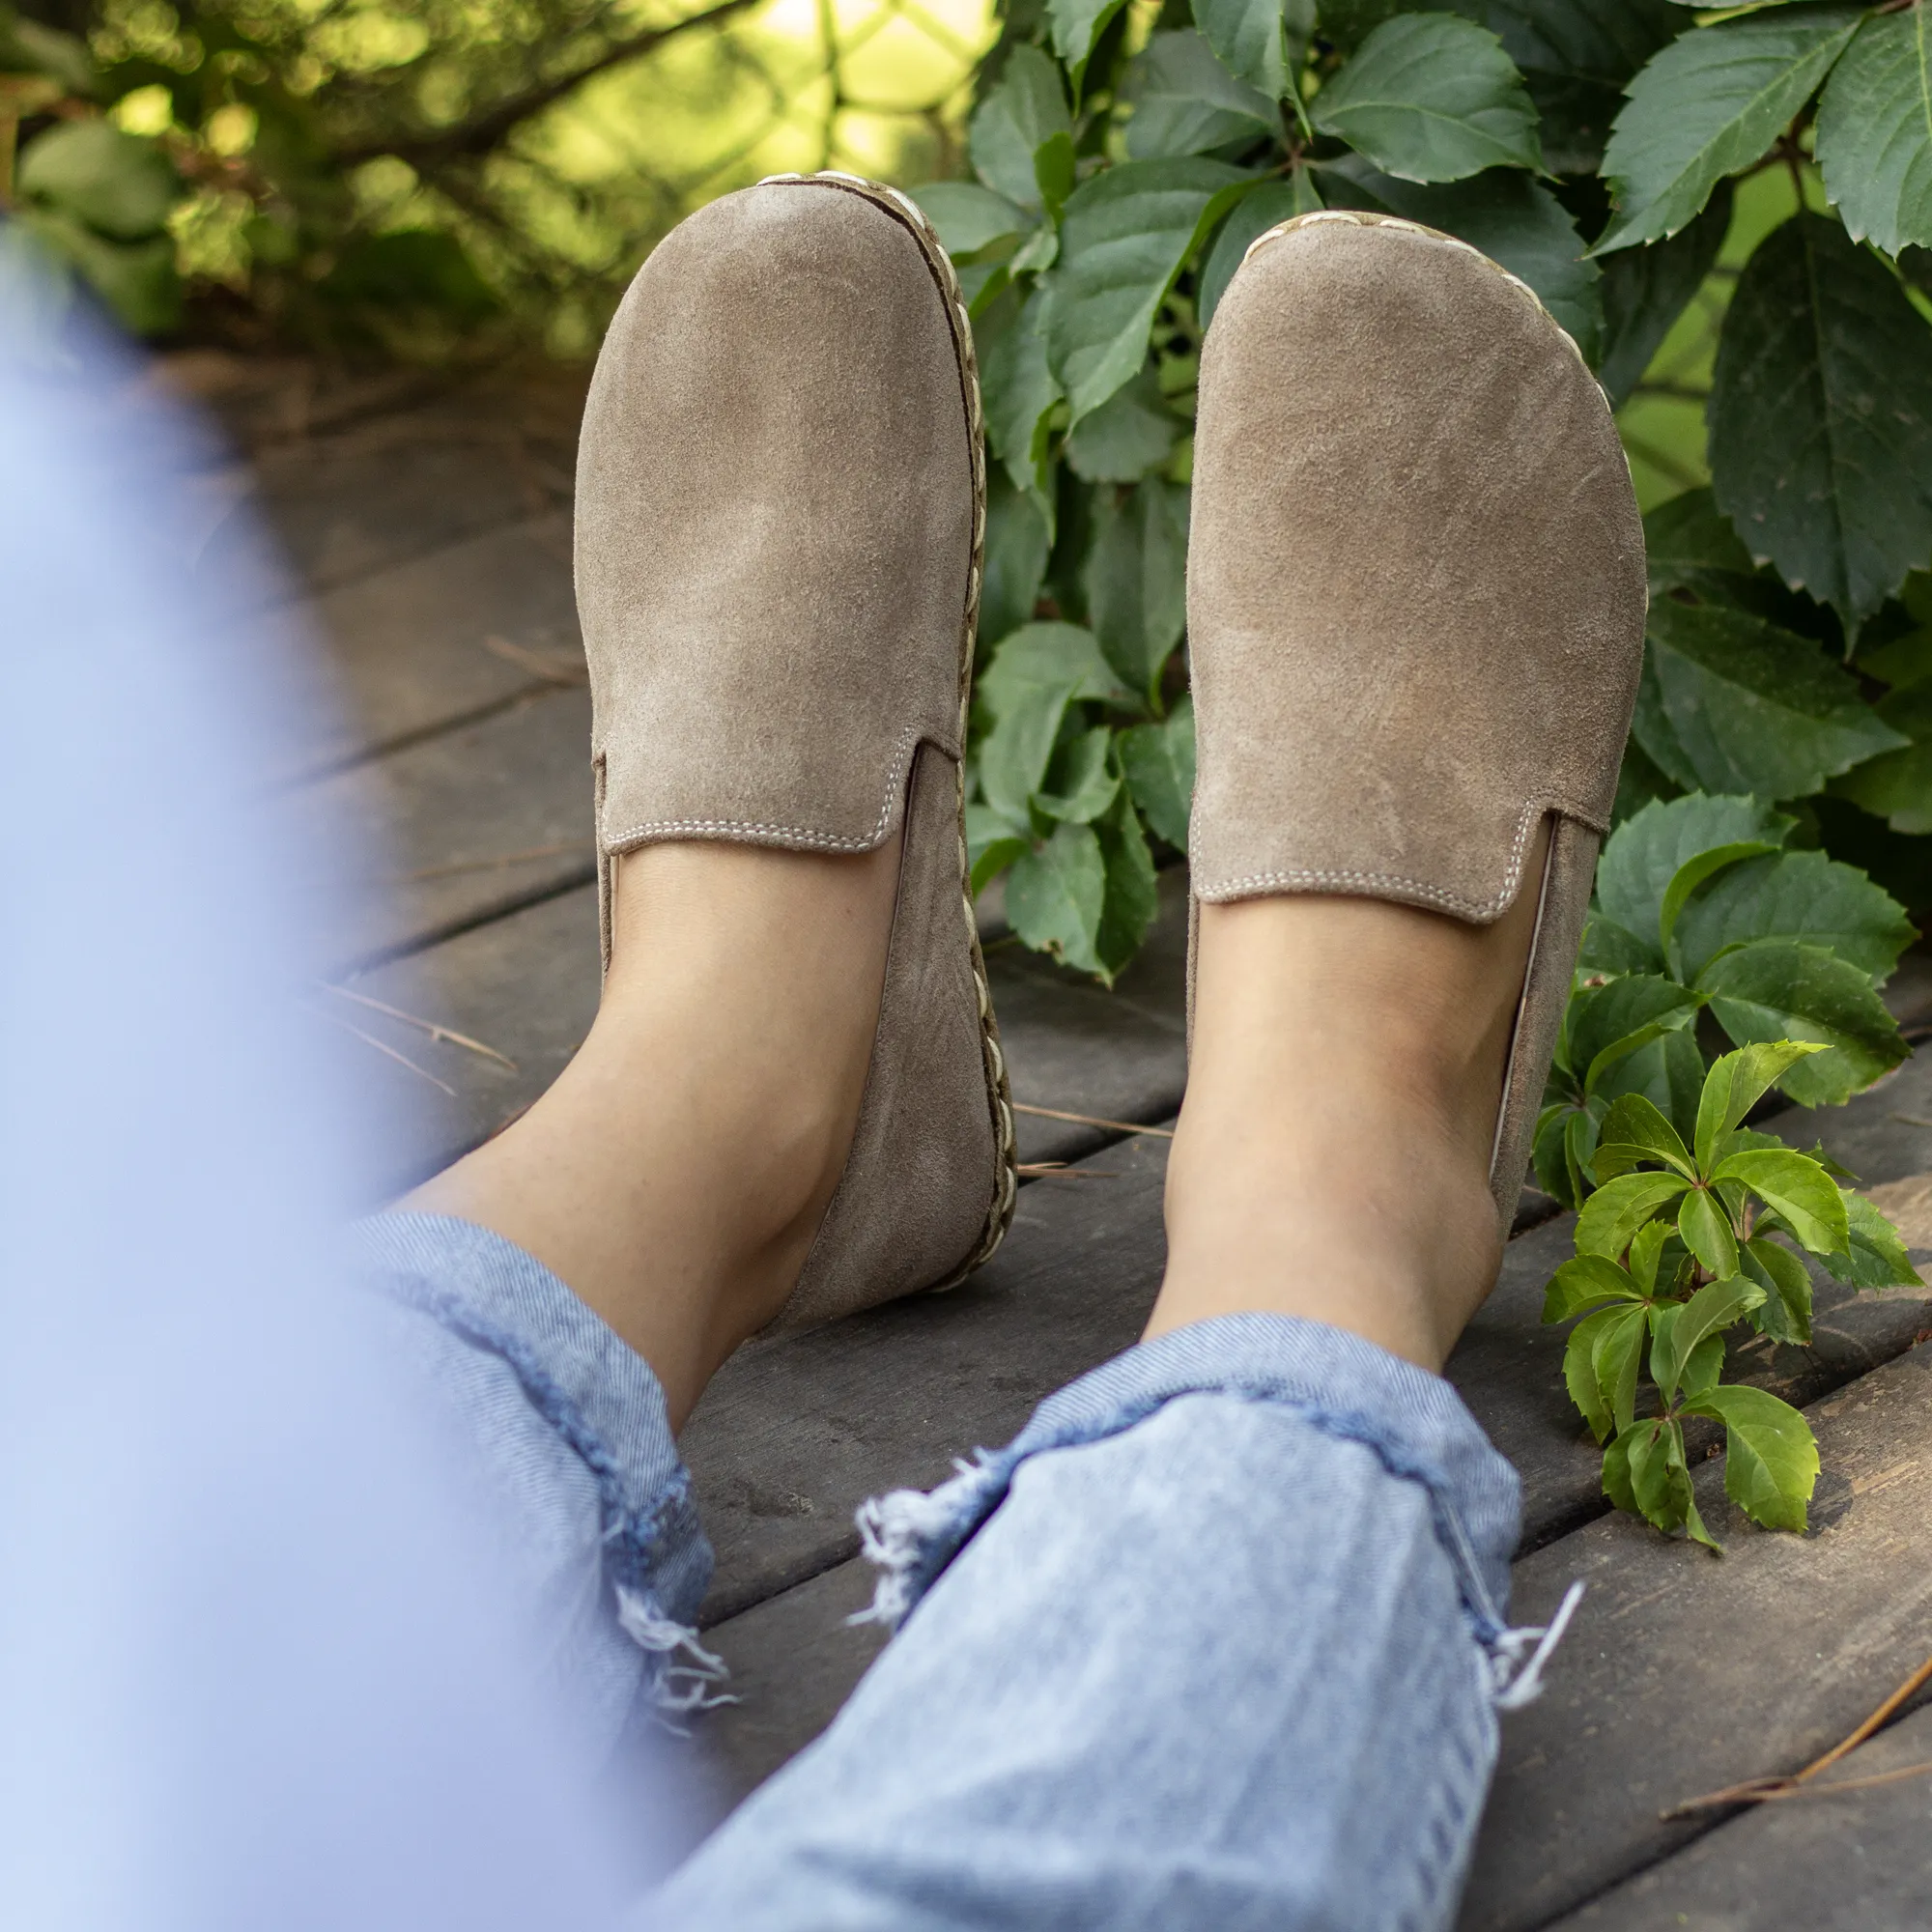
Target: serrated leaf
{"x":1660,"y":1480}
{"x":1707,"y":1233}
{"x":1771,"y":1457}
{"x":1546,"y":1154}
{"x":1124,"y":238}
{"x":1584,"y":1283}
{"x":992,"y":843}
{"x":968,"y":217}
{"x":1735,"y":1084}
{"x":1612,"y":1021}
{"x":1580,"y":1375}
{"x":1025,"y":109}
{"x":1643,"y":292}
{"x":1803,"y":1195}
{"x":1041,"y":657}
{"x":1159,"y":764}
{"x":1702,"y":1369}
{"x":1708,"y":104}
{"x":1077,"y":26}
{"x":1801,"y":895}
{"x":1668,"y":1072}
{"x":1132,"y":893}
{"x":1130,"y":435}
{"x":1185,"y":102}
{"x":1512,"y":217}
{"x":1756,"y":708}
{"x":1874,"y":1256}
{"x":1875,"y":133}
{"x":1616,"y":1355}
{"x":1618,"y":1209}
{"x":1897,"y":785}
{"x":1247,"y":35}
{"x":1617,"y":1477}
{"x":1777,"y":989}
{"x":1785,"y":1315}
{"x":1695,"y":872}
{"x":1018,"y":544}
{"x":1135,"y":579}
{"x":1017,"y":388}
{"x":1643,"y":854}
{"x":1690,"y":546}
{"x":1634,"y":1129}
{"x":1821,"y":418}
{"x":120,"y":186}
{"x":1056,"y":894}
{"x":1431,"y":98}
{"x":1646,"y":1251}
{"x":1080,"y":781}
{"x":1252,"y":216}
{"x":1609,"y":947}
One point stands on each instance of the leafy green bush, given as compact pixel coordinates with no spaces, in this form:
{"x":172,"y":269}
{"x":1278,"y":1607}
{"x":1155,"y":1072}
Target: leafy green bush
{"x":1126,"y":157}
{"x":1676,"y":1246}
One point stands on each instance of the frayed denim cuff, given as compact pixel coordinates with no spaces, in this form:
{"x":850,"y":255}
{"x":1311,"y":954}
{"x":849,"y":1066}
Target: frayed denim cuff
{"x":595,"y":1390}
{"x":1346,"y":1387}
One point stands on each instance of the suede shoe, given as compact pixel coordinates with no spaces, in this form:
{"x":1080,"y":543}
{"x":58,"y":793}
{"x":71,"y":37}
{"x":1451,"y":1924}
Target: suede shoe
{"x":1415,"y":599}
{"x":780,"y":506}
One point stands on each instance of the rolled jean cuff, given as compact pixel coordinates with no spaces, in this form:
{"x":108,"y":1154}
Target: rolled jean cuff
{"x":588,"y":1385}
{"x":1345,"y":1387}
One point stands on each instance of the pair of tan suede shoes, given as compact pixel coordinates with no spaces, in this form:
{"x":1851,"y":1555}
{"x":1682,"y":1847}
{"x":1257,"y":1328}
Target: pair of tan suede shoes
{"x":1416,"y":610}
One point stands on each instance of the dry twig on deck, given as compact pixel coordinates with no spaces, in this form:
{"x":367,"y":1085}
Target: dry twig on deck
{"x":1766,"y":1790}
{"x":1092,"y":1120}
{"x":429,"y":1027}
{"x":552,"y":666}
{"x":383,"y":1046}
{"x":1058,"y":1170}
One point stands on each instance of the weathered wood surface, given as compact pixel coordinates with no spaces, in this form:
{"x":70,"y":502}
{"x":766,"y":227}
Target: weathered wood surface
{"x":1860,"y":1861}
{"x":1685,"y":1673}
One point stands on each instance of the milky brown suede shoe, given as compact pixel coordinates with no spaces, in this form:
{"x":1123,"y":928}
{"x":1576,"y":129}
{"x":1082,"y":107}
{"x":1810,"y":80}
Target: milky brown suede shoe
{"x":1415,"y":599}
{"x":781,"y":504}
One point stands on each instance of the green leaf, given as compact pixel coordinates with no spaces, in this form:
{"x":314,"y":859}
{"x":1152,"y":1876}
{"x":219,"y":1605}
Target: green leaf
{"x":1023,"y":112}
{"x":1668,"y":1072}
{"x":1645,"y":853}
{"x":1580,"y":1374}
{"x":968,"y":217}
{"x":1634,"y":1130}
{"x":1609,"y":948}
{"x":1875,"y":133}
{"x":1132,"y":893}
{"x":1801,"y":1194}
{"x":1247,"y":35}
{"x":1159,"y":764}
{"x":26,"y":47}
{"x":1801,"y":895}
{"x":1077,"y":27}
{"x":1785,"y":1315}
{"x":118,"y":184}
{"x":1777,"y":989}
{"x":1646,"y":1250}
{"x":1735,"y":1084}
{"x":1618,"y":1209}
{"x":1696,"y":872}
{"x":1874,"y":1256}
{"x":1056,"y":894}
{"x":1036,"y":673}
{"x":1692,"y":547}
{"x":1080,"y":782}
{"x":1617,"y":1476}
{"x":1132,"y":433}
{"x":1431,"y":98}
{"x":1185,"y":102}
{"x":137,"y":280}
{"x":1135,"y":579}
{"x":1645,"y":290}
{"x":1609,"y":1022}
{"x":1125,"y":234}
{"x":1707,"y":1233}
{"x":1702,"y":1367}
{"x":1897,"y":785}
{"x":1018,"y":544}
{"x":1253,"y":215}
{"x":1821,"y":418}
{"x":1513,"y":218}
{"x":1709,"y":105}
{"x":1660,"y":1479}
{"x":1017,"y":388}
{"x":1756,"y":708}
{"x":992,"y":843}
{"x":1576,"y":57}
{"x":1581,"y":1284}
{"x":1771,"y":1457}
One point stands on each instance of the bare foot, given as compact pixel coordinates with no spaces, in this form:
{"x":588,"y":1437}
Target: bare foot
{"x":676,"y":1173}
{"x":1333,"y":1154}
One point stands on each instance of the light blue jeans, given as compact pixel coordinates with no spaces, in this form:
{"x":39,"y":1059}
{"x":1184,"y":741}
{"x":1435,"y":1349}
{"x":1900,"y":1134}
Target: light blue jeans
{"x":1217,"y":1642}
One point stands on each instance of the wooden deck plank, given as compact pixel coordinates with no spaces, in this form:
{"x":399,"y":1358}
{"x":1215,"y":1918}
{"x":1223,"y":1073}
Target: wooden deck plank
{"x":408,"y":644}
{"x":1860,"y":1861}
{"x":1683,"y":1673}
{"x":463,"y":826}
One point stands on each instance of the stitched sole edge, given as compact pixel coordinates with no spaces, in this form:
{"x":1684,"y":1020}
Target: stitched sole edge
{"x":998,"y":1092}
